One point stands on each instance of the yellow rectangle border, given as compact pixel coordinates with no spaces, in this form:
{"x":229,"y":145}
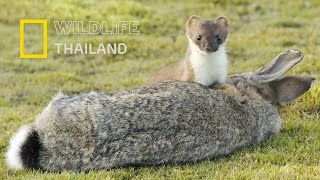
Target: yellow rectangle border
{"x":45,"y":38}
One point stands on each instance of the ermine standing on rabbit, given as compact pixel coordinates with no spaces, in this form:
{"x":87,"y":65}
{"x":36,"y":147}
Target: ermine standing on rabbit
{"x":205,"y":61}
{"x":171,"y":122}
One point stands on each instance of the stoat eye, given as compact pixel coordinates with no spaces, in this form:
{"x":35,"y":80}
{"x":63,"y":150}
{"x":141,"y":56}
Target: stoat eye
{"x":218,"y":38}
{"x":199,"y":37}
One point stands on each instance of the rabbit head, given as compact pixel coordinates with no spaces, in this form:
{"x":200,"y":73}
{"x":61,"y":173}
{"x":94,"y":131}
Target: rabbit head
{"x":268,"y":84}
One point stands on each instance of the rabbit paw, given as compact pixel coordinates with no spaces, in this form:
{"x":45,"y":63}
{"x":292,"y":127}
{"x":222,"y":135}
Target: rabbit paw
{"x":227,"y":88}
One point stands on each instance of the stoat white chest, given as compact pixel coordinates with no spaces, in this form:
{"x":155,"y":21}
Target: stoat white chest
{"x":208,"y":68}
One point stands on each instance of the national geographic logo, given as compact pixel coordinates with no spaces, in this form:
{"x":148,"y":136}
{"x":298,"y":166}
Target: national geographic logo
{"x":44,"y":54}
{"x":67,"y":28}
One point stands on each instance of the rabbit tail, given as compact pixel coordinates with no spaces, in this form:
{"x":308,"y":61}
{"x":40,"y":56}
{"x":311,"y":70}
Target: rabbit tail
{"x":24,"y":149}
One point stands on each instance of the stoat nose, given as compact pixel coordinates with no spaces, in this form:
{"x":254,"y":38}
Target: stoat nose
{"x":211,"y":48}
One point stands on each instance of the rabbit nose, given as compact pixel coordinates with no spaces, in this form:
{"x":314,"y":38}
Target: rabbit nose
{"x":313,"y":80}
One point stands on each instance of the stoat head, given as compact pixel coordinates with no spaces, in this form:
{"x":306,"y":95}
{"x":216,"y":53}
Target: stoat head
{"x":207,"y":35}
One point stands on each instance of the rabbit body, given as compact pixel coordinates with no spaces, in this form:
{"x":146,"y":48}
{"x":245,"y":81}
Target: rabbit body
{"x":172,"y":122}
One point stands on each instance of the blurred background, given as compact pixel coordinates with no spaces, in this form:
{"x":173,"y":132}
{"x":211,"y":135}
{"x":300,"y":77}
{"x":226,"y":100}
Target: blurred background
{"x":259,"y":31}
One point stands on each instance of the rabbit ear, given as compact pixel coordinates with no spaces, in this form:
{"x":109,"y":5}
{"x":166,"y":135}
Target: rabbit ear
{"x":277,"y":67}
{"x":290,"y":88}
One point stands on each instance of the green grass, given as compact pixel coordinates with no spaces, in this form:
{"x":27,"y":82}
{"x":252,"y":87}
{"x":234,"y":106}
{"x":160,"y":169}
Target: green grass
{"x":259,"y":31}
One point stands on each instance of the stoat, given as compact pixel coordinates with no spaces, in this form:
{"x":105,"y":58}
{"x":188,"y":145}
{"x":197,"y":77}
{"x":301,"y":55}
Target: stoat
{"x":205,"y":61}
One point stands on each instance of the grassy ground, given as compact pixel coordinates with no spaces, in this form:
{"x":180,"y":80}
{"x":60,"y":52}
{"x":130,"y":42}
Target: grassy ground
{"x":259,"y":31}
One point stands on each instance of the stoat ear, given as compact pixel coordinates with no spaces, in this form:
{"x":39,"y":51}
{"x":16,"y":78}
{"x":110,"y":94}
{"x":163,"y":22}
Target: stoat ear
{"x":191,"y":21}
{"x":222,"y":20}
{"x":290,"y":88}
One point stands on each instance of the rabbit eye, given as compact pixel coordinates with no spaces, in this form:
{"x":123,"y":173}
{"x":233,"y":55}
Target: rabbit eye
{"x":218,"y":38}
{"x":199,"y":37}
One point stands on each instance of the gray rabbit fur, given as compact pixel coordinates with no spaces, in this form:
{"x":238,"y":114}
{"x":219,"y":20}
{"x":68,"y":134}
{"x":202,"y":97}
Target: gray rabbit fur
{"x":171,"y":122}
